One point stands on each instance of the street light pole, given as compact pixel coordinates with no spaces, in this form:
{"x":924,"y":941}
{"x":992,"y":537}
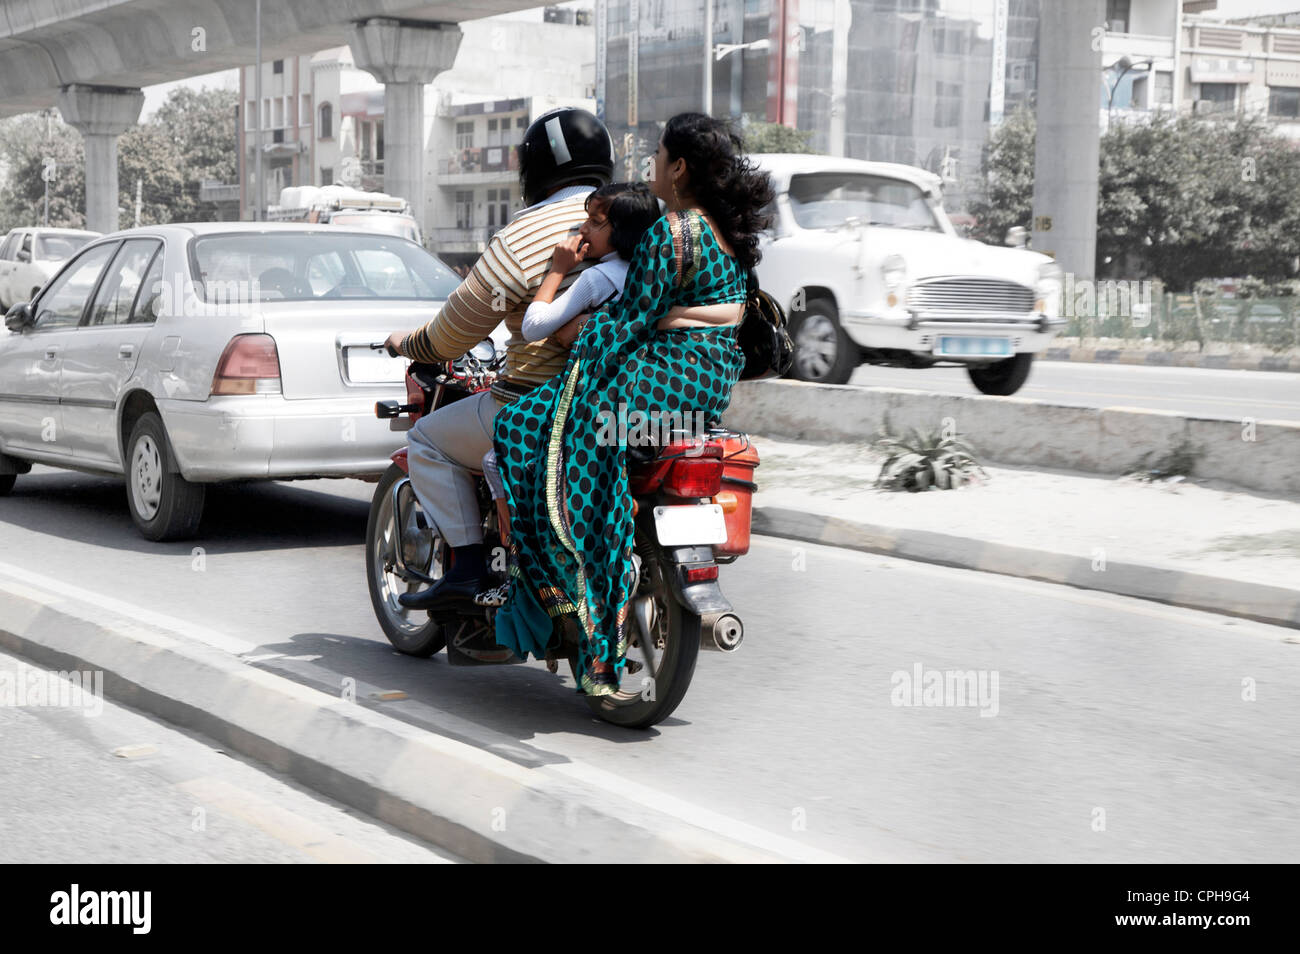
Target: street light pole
{"x":1127,"y":64}
{"x":257,"y":129}
{"x":708,"y":57}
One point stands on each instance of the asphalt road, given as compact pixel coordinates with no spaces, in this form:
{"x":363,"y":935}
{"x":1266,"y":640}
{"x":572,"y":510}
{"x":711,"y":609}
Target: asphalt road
{"x":1118,"y":731}
{"x":103,"y":784}
{"x":1263,"y":395}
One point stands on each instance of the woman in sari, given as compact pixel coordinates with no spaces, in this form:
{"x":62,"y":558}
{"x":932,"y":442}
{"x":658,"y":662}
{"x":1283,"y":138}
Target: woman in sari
{"x":565,"y":478}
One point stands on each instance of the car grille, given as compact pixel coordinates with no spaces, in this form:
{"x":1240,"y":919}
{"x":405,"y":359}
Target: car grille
{"x":970,"y":297}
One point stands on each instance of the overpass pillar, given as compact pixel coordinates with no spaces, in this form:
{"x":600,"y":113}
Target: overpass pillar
{"x":404,"y":55}
{"x":1067,"y":151}
{"x":100,"y":114}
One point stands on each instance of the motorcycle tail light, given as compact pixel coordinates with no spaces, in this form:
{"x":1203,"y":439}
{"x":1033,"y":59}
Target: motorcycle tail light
{"x":694,"y":477}
{"x":701,"y":574}
{"x":249,"y":365}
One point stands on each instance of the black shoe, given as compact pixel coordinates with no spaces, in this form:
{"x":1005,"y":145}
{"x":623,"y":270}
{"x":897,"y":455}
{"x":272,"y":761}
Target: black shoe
{"x":439,"y":594}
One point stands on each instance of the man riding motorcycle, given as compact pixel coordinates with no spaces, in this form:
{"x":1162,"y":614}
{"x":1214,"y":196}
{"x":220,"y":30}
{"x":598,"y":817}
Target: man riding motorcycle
{"x":565,"y":155}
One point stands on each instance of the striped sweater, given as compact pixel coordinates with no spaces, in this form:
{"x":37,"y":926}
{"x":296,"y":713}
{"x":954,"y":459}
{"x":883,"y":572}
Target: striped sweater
{"x":500,"y":288}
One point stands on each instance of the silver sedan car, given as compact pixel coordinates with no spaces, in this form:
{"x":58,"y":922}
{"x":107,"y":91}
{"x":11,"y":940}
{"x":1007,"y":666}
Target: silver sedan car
{"x":179,"y":355}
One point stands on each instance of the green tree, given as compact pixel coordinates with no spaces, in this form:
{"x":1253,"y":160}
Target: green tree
{"x":201,"y":125}
{"x":1179,"y":199}
{"x":1185,"y":199}
{"x":1007,"y":167}
{"x":25,"y":142}
{"x":774,"y":137}
{"x":146,"y":154}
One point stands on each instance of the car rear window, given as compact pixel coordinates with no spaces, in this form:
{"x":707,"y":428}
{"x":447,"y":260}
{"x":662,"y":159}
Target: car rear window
{"x":301,"y":266}
{"x":59,"y":248}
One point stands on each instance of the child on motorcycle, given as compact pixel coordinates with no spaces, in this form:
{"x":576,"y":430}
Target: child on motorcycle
{"x":617,"y":216}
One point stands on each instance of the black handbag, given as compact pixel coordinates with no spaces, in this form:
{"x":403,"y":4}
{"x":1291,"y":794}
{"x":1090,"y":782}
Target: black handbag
{"x":766,"y":344}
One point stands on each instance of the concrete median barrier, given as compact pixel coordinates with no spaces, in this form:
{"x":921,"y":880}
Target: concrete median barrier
{"x":1253,"y":454}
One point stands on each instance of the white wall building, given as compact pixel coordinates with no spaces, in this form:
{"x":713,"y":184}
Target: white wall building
{"x":323,"y":122}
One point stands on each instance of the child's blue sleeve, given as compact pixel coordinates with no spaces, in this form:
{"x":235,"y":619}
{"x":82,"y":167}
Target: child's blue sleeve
{"x":542,"y":320}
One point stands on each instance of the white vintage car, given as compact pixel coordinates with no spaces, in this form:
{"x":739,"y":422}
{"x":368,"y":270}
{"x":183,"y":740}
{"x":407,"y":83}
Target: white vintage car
{"x":870,"y":270}
{"x":28,"y":257}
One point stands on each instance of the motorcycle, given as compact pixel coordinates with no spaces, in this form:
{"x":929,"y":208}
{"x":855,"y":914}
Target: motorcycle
{"x":691,"y":509}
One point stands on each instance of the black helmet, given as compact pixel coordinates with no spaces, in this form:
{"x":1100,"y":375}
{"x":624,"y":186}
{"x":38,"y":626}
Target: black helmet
{"x":562,"y":146}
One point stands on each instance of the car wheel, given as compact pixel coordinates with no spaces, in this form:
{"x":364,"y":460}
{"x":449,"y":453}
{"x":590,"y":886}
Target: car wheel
{"x":7,"y":483}
{"x":164,"y":505}
{"x":823,"y":353}
{"x":1002,"y":377}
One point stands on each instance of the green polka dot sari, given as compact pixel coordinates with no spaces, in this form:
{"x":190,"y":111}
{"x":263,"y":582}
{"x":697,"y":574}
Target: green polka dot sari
{"x":565,"y":467}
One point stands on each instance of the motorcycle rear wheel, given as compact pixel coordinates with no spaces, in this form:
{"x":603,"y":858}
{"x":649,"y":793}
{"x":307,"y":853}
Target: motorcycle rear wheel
{"x":410,"y":631}
{"x":649,"y":696}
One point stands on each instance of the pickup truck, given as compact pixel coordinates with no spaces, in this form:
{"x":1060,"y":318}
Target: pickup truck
{"x":871,"y":271}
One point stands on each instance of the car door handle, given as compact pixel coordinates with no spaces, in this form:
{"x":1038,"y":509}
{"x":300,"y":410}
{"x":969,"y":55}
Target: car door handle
{"x":126,"y":351}
{"x":51,"y":354}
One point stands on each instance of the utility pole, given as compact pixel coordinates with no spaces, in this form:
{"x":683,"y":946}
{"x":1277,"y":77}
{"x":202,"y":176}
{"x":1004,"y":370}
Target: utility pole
{"x":257,"y":129}
{"x":139,"y":195}
{"x":708,"y":57}
{"x":48,"y":167}
{"x":633,"y":51}
{"x":47,"y":174}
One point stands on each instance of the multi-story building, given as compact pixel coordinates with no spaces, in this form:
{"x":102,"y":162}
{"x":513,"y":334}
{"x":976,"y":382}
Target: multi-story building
{"x":1140,"y":59}
{"x":912,"y":81}
{"x":1246,"y":65}
{"x":323,"y":122}
{"x":1162,"y":55}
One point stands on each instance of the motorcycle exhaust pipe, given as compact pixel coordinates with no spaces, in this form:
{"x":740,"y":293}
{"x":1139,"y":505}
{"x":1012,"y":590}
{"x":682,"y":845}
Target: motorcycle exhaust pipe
{"x":722,"y":632}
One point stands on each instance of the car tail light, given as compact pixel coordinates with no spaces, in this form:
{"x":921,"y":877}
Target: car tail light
{"x":249,"y":365}
{"x":694,"y":477}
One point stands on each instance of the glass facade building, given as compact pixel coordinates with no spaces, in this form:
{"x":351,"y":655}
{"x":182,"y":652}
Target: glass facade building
{"x":915,"y":78}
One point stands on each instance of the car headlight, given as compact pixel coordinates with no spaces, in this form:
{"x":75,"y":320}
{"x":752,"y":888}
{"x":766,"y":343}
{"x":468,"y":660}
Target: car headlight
{"x":893,"y":271}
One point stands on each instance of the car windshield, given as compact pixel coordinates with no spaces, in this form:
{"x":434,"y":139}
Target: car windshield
{"x":59,"y":248}
{"x":300,"y":266}
{"x":826,"y":199}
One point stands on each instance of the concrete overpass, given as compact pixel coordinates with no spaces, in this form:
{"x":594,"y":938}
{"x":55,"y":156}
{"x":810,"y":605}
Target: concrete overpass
{"x":91,"y":57}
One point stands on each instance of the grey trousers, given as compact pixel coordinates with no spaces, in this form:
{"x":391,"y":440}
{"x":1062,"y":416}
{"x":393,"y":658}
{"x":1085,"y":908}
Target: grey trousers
{"x":444,"y":447}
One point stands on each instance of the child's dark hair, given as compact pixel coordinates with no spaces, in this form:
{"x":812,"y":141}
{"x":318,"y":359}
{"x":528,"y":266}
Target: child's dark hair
{"x":631,"y":209}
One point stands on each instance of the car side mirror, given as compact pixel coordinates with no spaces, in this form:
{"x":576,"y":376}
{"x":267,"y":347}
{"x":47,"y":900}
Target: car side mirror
{"x":1017,"y":236}
{"x":19,"y":316}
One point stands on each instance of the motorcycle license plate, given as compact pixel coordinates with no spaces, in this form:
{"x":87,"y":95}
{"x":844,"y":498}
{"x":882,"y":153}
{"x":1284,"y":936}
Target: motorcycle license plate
{"x":967,"y":346}
{"x":690,"y":526}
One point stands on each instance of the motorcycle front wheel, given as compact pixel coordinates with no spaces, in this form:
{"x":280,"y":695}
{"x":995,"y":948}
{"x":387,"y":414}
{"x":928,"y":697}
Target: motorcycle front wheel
{"x":410,"y":631}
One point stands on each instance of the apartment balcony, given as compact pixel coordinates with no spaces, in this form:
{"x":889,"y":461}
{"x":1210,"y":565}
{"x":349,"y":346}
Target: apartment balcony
{"x":479,"y":165}
{"x":460,"y":240}
{"x":1136,"y":46}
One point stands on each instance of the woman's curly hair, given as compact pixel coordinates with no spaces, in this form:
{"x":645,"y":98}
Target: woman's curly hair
{"x":729,"y":186}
